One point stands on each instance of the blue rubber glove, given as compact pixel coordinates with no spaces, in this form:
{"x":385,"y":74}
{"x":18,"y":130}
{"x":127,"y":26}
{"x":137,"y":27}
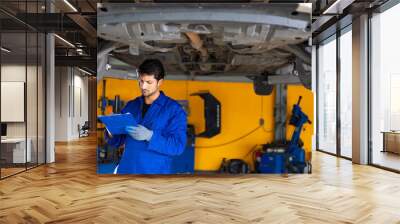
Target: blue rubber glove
{"x":139,"y":132}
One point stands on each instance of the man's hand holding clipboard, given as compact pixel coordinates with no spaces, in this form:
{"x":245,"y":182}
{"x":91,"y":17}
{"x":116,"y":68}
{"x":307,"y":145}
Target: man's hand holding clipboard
{"x":116,"y":123}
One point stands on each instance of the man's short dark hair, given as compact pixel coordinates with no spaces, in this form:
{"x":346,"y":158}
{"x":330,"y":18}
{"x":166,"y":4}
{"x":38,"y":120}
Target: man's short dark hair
{"x":152,"y":67}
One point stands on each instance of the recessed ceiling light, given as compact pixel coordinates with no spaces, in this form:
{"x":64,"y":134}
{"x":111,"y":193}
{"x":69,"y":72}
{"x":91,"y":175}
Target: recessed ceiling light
{"x":338,"y":6}
{"x":65,"y":41}
{"x":5,"y":49}
{"x":86,"y":72}
{"x":70,"y":5}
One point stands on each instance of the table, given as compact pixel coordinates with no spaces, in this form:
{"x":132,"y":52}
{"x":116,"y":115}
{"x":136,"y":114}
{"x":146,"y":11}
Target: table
{"x":391,"y":141}
{"x":13,"y":150}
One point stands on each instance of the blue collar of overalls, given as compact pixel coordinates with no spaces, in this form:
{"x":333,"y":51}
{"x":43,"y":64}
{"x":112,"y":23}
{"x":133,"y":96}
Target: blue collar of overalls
{"x":161,"y":99}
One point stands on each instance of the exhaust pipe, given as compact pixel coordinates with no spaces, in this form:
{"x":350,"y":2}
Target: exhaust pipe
{"x":197,"y":43}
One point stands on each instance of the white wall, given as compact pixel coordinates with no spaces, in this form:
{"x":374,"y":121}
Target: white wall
{"x":34,"y":125}
{"x":13,"y":73}
{"x":71,"y":102}
{"x":80,"y":110}
{"x":61,"y":103}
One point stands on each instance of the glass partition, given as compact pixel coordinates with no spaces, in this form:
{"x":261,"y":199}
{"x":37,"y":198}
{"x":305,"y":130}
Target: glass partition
{"x":346,"y":93}
{"x":13,"y":95}
{"x":385,"y":89}
{"x":22,"y":90}
{"x":327,"y":96}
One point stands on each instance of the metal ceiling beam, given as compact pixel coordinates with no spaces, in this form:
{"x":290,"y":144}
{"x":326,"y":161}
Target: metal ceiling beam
{"x":59,"y":22}
{"x":320,"y":22}
{"x":10,"y":25}
{"x":338,"y":6}
{"x":78,"y":61}
{"x":337,"y":16}
{"x":49,"y":22}
{"x":81,"y":21}
{"x":16,"y":18}
{"x":86,"y":26}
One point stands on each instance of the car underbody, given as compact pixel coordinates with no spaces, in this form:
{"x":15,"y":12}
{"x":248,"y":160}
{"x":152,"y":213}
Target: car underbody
{"x":264,"y":43}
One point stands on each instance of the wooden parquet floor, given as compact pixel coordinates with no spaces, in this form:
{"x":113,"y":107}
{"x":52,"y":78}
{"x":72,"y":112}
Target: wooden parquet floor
{"x":70,"y":191}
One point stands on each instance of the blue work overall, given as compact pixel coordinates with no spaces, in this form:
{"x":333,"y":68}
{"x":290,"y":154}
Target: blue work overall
{"x":168,"y":121}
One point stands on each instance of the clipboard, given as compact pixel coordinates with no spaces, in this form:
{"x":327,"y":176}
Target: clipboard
{"x":116,"y":123}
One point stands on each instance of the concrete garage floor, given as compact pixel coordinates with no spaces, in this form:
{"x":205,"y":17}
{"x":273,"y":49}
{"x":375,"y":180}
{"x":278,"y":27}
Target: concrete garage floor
{"x":70,"y":191}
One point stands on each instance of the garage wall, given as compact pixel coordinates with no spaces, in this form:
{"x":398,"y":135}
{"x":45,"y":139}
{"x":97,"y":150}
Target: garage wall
{"x":241,"y":110}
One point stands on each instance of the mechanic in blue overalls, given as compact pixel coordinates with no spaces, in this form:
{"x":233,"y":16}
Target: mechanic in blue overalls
{"x":161,"y":130}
